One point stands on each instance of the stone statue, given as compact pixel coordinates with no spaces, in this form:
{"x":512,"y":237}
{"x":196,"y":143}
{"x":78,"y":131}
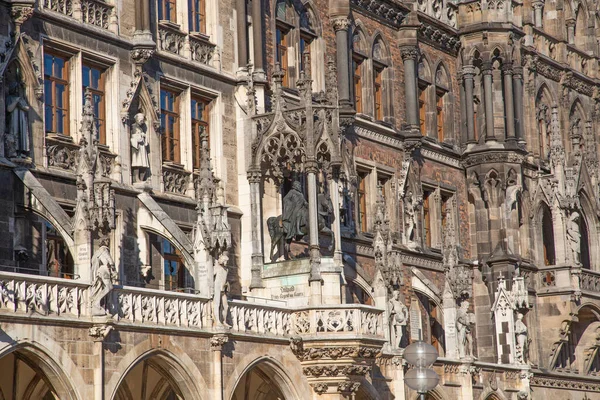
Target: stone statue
{"x":464,"y":324}
{"x":17,"y":117}
{"x":410,"y":217}
{"x":521,"y":336}
{"x":295,"y":209}
{"x":220,"y":305}
{"x":103,"y":274}
{"x":139,"y":147}
{"x":574,"y":236}
{"x":398,"y":314}
{"x":325,"y":207}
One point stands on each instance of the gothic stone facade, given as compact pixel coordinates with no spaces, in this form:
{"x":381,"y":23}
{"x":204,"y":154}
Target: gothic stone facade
{"x":218,"y":199}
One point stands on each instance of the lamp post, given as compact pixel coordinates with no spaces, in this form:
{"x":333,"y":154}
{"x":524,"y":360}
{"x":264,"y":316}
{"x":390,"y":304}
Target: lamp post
{"x":422,"y":378}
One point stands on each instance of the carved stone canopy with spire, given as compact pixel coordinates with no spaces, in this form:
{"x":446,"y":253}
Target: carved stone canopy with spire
{"x":293,"y":136}
{"x":95,"y":198}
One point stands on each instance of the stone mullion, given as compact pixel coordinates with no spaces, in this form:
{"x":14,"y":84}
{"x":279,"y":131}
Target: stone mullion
{"x":517,"y":85}
{"x":509,"y":110}
{"x":468,"y":75}
{"x":340,"y":26}
{"x":409,"y":58}
{"x":488,"y":100}
{"x":242,"y":33}
{"x":254,"y":178}
{"x":257,"y":35}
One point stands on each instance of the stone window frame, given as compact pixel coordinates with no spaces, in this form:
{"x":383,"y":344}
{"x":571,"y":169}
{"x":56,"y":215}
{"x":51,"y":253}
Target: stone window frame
{"x":359,"y":62}
{"x":177,"y":111}
{"x":295,"y":33}
{"x":77,"y":57}
{"x":443,"y":89}
{"x":425,"y":87}
{"x":381,"y":63}
{"x":181,"y":22}
{"x":373,"y":173}
{"x":66,"y":81}
{"x":440,"y":198}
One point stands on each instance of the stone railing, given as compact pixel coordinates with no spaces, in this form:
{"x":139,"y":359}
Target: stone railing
{"x":146,"y":306}
{"x":61,"y":153}
{"x":357,"y":320}
{"x":92,"y":12}
{"x":42,"y":295}
{"x":580,"y":61}
{"x":193,"y":46}
{"x":47,"y":296}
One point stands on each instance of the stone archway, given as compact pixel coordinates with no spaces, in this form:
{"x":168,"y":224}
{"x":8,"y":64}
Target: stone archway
{"x":31,"y":374}
{"x":156,"y":376}
{"x":264,"y":379}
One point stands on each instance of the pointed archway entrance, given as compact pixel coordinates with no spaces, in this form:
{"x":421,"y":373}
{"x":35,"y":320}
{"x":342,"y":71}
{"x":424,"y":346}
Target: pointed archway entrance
{"x":264,"y":379}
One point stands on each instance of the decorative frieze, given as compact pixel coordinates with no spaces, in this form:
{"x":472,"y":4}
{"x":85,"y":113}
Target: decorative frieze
{"x":171,"y":40}
{"x":390,"y":12}
{"x":61,"y":154}
{"x":201,"y":49}
{"x":175,"y":179}
{"x":562,"y":383}
{"x":96,"y":13}
{"x":60,"y":6}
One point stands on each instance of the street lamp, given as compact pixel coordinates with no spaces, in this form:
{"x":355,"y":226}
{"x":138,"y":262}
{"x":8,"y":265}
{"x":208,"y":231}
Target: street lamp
{"x":422,"y":378}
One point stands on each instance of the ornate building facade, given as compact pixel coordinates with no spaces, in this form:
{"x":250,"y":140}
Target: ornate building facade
{"x":245,"y":199}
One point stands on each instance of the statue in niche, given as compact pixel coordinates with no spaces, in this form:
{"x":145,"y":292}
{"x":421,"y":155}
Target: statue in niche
{"x":522,"y":342}
{"x":574,"y":236}
{"x":398,"y":314}
{"x":103,"y":274}
{"x":325,"y":207}
{"x":293,"y":224}
{"x":410,"y":216}
{"x":17,"y":118}
{"x":464,"y":328}
{"x":140,"y":163}
{"x":220,"y":305}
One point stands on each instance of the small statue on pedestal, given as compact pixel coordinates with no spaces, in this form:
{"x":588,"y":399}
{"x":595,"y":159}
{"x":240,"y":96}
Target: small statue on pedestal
{"x":464,"y":327}
{"x":398,"y":314}
{"x":140,"y":163}
{"x":220,"y":305}
{"x":103,"y":274}
{"x":17,"y":117}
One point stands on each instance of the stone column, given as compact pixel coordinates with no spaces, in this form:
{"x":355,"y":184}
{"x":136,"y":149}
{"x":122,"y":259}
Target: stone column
{"x":216,"y":344}
{"x":409,"y":59}
{"x":242,"y":33}
{"x":340,"y":25}
{"x":463,"y":110}
{"x":537,"y":9}
{"x":335,"y":226}
{"x":254,"y":178}
{"x":99,"y":333}
{"x":509,"y":104}
{"x":315,"y":252}
{"x":257,"y":34}
{"x":517,"y":78}
{"x":488,"y":99}
{"x":468,"y":76}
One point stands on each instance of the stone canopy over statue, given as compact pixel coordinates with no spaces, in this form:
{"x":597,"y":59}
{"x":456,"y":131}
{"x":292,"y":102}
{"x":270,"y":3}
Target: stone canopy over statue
{"x":293,"y":223}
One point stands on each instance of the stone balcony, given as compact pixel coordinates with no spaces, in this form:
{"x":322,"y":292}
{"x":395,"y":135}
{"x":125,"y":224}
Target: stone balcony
{"x":91,"y":12}
{"x":24,"y":297}
{"x":565,"y":279}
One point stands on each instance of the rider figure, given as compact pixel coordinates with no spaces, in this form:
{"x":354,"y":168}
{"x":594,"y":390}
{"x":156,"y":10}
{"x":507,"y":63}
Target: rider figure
{"x":293,"y":215}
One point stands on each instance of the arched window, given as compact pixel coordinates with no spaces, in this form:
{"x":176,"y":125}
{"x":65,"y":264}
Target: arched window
{"x":294,"y":34}
{"x":581,"y":29}
{"x":584,"y":243}
{"x":380,"y":72}
{"x":358,"y":66}
{"x":548,"y":236}
{"x":425,"y":84}
{"x":442,"y":89}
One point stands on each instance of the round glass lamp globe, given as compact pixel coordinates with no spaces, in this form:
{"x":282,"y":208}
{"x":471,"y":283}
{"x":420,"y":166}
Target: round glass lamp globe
{"x":420,"y":354}
{"x":421,"y":380}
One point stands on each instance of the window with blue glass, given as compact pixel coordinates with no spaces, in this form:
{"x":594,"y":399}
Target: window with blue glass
{"x":173,"y":265}
{"x":56,"y":94}
{"x":93,"y":78}
{"x":167,"y":10}
{"x":169,"y":121}
{"x":197,"y":15}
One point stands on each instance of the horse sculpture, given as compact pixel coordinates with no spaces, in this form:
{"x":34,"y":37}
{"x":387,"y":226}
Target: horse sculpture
{"x":279,"y":235}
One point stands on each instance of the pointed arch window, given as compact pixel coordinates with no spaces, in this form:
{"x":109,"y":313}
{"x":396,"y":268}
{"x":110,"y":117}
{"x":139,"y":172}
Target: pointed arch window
{"x":584,"y":244}
{"x":380,"y":68}
{"x":358,"y":61}
{"x":548,"y":237}
{"x":425,"y":85}
{"x":442,"y":89}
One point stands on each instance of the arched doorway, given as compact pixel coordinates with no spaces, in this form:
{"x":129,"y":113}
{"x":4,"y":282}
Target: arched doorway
{"x":29,"y":373}
{"x":264,"y":380}
{"x":156,"y":376}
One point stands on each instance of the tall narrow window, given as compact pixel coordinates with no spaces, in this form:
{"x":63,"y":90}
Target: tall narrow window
{"x":173,"y":267}
{"x":362,"y":203}
{"x":281,"y":55}
{"x":199,"y":126}
{"x":93,"y":78}
{"x":197,"y":16}
{"x":305,"y":55}
{"x":422,"y":111}
{"x":56,"y":94}
{"x":169,"y":120}
{"x":378,"y":91}
{"x":439,"y":110}
{"x":167,"y":10}
{"x":426,"y":218}
{"x":548,"y":237}
{"x":356,"y":67}
{"x":59,"y":262}
{"x":584,"y":248}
